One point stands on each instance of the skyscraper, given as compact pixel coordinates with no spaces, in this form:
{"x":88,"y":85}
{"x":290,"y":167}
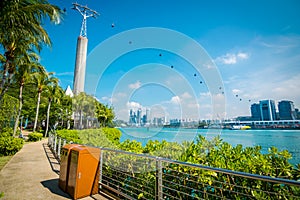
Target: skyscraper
{"x":147,"y":115}
{"x":267,"y":110}
{"x":139,"y":116}
{"x":286,"y":110}
{"x":255,"y":112}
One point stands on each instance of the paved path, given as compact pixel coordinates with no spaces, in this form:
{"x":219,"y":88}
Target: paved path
{"x":33,"y":174}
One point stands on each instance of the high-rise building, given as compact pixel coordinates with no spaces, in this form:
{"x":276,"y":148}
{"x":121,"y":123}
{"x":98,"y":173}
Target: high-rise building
{"x":267,"y":110}
{"x":255,"y":112}
{"x":139,"y":116}
{"x":147,"y":115}
{"x":286,"y":110}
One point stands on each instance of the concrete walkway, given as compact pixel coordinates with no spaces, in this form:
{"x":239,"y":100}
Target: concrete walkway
{"x":33,"y":173}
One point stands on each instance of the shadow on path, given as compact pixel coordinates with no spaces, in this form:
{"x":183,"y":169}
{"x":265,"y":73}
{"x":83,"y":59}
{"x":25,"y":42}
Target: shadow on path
{"x":52,"y":185}
{"x":54,"y":163}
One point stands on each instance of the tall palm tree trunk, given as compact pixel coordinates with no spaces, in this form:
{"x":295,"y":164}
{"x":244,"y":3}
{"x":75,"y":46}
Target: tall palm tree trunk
{"x":19,"y":110}
{"x":47,"y":120}
{"x":80,"y":120}
{"x":37,"y":111}
{"x":3,"y":85}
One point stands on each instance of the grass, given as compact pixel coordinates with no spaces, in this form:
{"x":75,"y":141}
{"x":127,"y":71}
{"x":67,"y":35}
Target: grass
{"x":4,"y":160}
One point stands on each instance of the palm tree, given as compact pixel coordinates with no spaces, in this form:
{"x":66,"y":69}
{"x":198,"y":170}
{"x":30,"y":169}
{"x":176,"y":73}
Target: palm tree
{"x":21,"y":20}
{"x":42,"y":79}
{"x":104,"y":114}
{"x":78,"y":104}
{"x":25,"y":70}
{"x":54,"y":93}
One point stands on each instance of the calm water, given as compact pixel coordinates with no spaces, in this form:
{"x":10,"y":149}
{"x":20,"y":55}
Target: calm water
{"x":282,"y":139}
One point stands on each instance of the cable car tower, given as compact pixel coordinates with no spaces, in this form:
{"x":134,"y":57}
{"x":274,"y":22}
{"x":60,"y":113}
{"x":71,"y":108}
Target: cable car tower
{"x":81,"y":51}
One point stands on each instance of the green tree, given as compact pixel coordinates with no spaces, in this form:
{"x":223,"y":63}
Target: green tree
{"x":23,"y":75}
{"x":21,"y":29}
{"x":42,"y":79}
{"x":84,"y":109}
{"x":8,"y":111}
{"x":54,"y":93}
{"x":105,"y":114}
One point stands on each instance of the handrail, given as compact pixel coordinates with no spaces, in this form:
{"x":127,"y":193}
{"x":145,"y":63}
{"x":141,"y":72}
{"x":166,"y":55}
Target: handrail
{"x":221,"y":170}
{"x":119,"y":170}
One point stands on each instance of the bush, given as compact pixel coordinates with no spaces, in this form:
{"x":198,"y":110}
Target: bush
{"x":6,"y":132}
{"x":112,"y":134}
{"x":10,"y":145}
{"x":33,"y":137}
{"x":69,"y":135}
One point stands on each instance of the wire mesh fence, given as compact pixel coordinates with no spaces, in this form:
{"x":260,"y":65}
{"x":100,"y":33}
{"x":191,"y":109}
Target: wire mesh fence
{"x":138,"y":176}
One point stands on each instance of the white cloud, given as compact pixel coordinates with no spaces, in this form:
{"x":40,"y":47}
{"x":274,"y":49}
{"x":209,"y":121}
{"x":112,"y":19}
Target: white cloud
{"x":236,"y":91}
{"x":205,"y":94}
{"x":134,"y":105}
{"x":231,"y":58}
{"x":185,"y":95}
{"x":175,"y":100}
{"x":64,"y":74}
{"x":243,"y":56}
{"x":135,"y":85}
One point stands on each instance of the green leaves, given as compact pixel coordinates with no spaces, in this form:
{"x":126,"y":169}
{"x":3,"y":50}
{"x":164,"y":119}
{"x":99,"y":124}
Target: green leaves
{"x":10,"y":145}
{"x":35,"y":137}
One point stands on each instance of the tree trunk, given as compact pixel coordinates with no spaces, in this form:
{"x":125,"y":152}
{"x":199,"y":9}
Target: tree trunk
{"x":4,"y":75}
{"x":4,"y":82}
{"x":80,"y":120}
{"x":47,"y":121}
{"x":37,"y":111}
{"x":19,"y":111}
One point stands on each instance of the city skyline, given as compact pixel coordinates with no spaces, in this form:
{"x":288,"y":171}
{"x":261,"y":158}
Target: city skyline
{"x":256,"y":55}
{"x":264,"y":110}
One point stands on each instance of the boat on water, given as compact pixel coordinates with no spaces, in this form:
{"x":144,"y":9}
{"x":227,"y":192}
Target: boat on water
{"x":240,"y":127}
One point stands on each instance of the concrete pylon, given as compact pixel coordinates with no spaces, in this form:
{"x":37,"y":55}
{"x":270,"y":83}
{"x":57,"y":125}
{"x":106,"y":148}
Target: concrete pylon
{"x":80,"y":65}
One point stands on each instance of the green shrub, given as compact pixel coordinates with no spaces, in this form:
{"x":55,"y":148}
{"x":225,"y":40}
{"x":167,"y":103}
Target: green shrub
{"x":6,"y":132}
{"x":33,"y":137}
{"x":112,"y":134}
{"x":96,"y":137}
{"x":69,"y":135}
{"x":10,"y":145}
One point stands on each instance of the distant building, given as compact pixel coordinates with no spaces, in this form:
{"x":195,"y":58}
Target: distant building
{"x":267,"y":110}
{"x":286,"y":110}
{"x":148,"y":115}
{"x":263,"y":111}
{"x":139,"y":116}
{"x":244,"y":118}
{"x":138,"y":119}
{"x":69,"y":92}
{"x":297,"y":113}
{"x":132,"y":117}
{"x":255,"y":112}
{"x":158,"y":121}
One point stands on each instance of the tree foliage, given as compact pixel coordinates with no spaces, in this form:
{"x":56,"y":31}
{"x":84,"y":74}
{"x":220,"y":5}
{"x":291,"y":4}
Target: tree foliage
{"x":191,"y":181}
{"x":8,"y":111}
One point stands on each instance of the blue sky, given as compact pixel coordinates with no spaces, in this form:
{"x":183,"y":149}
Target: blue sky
{"x":253,"y":46}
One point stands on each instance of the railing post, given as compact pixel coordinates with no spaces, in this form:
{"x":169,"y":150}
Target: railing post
{"x":55,"y":140}
{"x":100,"y":168}
{"x":49,"y":137}
{"x":52,"y":142}
{"x":64,"y":142}
{"x":59,"y":146}
{"x":159,"y":185}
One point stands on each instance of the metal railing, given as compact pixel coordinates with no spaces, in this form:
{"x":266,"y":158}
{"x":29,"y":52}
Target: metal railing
{"x":137,"y":176}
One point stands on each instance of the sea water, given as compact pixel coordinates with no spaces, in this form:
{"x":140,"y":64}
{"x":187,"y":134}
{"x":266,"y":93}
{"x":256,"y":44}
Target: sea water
{"x":281,"y":139}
